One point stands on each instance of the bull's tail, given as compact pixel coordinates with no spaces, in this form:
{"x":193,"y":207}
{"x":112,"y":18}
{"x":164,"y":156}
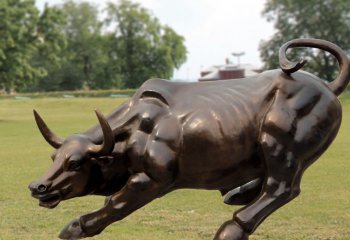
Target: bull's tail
{"x":338,"y":85}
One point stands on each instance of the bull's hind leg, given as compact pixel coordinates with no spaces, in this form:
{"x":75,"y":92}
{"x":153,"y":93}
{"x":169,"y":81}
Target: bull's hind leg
{"x":283,"y":171}
{"x":281,"y":185}
{"x":294,"y":133}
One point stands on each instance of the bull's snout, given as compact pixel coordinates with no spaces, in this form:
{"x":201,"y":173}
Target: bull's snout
{"x":42,"y":190}
{"x":39,"y":187}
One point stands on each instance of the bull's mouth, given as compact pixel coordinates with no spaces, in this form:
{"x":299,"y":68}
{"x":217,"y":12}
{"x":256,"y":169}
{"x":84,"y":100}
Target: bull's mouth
{"x":50,"y":200}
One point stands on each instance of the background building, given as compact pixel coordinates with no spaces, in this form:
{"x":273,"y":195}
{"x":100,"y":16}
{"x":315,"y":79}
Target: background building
{"x":228,"y":71}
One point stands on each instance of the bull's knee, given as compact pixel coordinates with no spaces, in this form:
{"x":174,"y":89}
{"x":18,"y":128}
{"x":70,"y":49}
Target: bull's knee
{"x":139,"y":182}
{"x":283,"y":192}
{"x":161,"y":162}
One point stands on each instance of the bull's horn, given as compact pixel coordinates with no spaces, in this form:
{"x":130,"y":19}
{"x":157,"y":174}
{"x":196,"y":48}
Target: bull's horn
{"x":108,"y":136}
{"x":49,"y":136}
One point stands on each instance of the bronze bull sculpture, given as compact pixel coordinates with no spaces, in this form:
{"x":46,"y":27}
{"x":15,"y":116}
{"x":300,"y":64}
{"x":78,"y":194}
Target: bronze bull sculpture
{"x":251,"y":139}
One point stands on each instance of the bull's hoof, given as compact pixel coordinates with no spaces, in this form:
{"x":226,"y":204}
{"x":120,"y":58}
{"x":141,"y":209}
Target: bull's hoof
{"x":72,"y":231}
{"x":230,"y":230}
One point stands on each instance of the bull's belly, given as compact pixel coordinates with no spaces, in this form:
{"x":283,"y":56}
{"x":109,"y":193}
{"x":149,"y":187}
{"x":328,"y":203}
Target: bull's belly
{"x":219,"y":149}
{"x":217,"y":165}
{"x":218,"y":177}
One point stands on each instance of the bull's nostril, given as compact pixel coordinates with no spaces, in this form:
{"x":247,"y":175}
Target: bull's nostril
{"x":39,"y":187}
{"x":42,"y":188}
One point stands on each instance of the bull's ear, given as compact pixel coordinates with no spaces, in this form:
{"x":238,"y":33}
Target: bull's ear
{"x":108,"y":137}
{"x":49,"y":136}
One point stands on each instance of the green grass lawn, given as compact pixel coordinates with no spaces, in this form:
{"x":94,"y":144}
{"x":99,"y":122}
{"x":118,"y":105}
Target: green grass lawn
{"x":321,"y":212}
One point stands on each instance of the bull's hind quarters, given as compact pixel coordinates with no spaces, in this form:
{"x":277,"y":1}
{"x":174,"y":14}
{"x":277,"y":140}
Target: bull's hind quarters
{"x":251,"y":139}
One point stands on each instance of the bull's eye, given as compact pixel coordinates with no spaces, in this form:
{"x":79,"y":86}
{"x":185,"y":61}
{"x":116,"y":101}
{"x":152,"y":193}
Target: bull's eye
{"x":74,"y":165}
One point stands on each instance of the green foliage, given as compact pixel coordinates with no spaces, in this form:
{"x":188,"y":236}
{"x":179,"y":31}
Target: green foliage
{"x":86,"y":49}
{"x":51,"y":42}
{"x":30,"y":46}
{"x":110,"y":93}
{"x":138,"y":48}
{"x":324,"y":19}
{"x":175,"y":43}
{"x":71,"y":46}
{"x":140,"y":45}
{"x":79,"y":57}
{"x":18,"y":31}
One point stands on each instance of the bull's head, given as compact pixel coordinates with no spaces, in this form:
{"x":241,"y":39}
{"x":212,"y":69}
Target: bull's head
{"x":74,"y":167}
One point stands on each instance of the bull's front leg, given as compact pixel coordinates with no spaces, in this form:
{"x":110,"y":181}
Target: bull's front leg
{"x":139,"y":190}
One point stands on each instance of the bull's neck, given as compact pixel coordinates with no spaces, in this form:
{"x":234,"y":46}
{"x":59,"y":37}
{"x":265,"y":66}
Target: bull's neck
{"x":112,"y":175}
{"x":115,"y":120}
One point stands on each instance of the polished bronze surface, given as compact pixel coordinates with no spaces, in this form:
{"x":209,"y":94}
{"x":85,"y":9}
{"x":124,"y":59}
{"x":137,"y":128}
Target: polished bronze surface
{"x":250,"y":138}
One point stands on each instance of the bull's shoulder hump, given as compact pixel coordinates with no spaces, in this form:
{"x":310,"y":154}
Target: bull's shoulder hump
{"x":162,"y":90}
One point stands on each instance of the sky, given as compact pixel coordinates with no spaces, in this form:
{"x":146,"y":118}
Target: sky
{"x":213,"y":29}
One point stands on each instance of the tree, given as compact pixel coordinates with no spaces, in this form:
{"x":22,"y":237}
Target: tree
{"x":140,"y":45}
{"x":84,"y":54}
{"x":51,"y":42}
{"x":66,"y":47}
{"x":176,"y":46}
{"x":18,"y":43}
{"x":324,"y":19}
{"x":30,"y":43}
